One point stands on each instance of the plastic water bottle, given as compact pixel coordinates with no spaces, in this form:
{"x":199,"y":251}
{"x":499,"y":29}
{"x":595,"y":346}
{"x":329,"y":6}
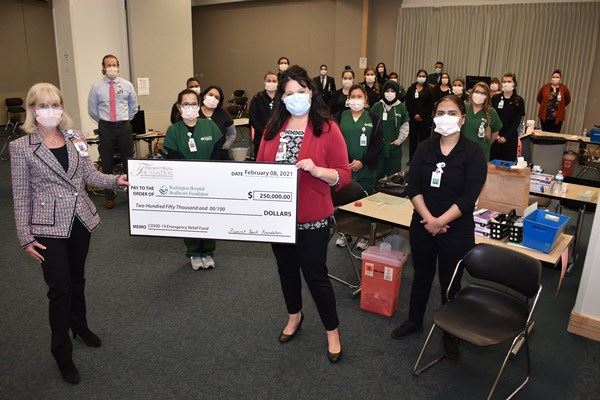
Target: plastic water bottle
{"x":558,"y":183}
{"x":584,"y":132}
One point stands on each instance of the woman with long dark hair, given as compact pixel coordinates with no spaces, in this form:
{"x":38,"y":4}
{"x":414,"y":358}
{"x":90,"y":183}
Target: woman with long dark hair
{"x":212,"y":108}
{"x":419,"y":103}
{"x":300,"y":132}
{"x":511,"y":109}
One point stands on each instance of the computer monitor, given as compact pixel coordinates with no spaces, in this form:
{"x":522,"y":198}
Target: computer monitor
{"x":138,"y":123}
{"x":471,"y":80}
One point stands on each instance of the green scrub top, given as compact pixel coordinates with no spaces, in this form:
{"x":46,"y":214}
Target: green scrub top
{"x":206,"y":135}
{"x":396,"y":117}
{"x":352,"y":132}
{"x":475,"y":121}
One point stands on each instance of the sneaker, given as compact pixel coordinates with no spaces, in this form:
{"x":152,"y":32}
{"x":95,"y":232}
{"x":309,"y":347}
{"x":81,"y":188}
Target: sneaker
{"x":208,"y":262}
{"x":341,"y":241}
{"x":450,"y":344}
{"x":406,"y":329}
{"x":362,"y":244}
{"x":196,"y":263}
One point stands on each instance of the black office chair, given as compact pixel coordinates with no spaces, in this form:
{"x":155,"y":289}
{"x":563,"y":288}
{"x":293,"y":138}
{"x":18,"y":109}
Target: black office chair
{"x":578,"y":207}
{"x":14,"y":112}
{"x":237,"y":103}
{"x":487,"y":315}
{"x":587,"y":159}
{"x":351,"y":225}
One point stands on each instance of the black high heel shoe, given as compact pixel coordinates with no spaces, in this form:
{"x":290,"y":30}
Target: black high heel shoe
{"x":69,"y":372}
{"x":283,"y":338}
{"x":88,"y":337}
{"x":334,"y":357}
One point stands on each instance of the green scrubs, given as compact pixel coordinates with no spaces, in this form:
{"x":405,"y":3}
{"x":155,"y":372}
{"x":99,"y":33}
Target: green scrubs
{"x":390,"y":160}
{"x":206,"y":134}
{"x":476,"y":121}
{"x":358,"y":135}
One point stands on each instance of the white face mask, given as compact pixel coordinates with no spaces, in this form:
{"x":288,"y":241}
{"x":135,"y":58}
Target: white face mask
{"x":283,"y":67}
{"x":210,"y":101}
{"x":196,"y":89}
{"x":356,"y":104}
{"x":446,"y":125}
{"x":111,"y":72}
{"x":347,"y":83}
{"x":390,"y":96}
{"x":323,"y":72}
{"x":421,"y":79}
{"x":380,"y":70}
{"x":270,"y":86}
{"x":190,"y":112}
{"x":555,"y":81}
{"x":394,"y":79}
{"x":49,"y":117}
{"x":297,"y":104}
{"x":370,"y":78}
{"x":444,"y":81}
{"x":438,"y":70}
{"x":457,"y":90}
{"x":478,"y":98}
{"x":508,"y":86}
{"x":494,"y":87}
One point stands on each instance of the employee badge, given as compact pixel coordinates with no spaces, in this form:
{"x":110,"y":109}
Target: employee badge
{"x":363,"y":138}
{"x":436,"y":176}
{"x":282,"y":150}
{"x":192,"y":143}
{"x":385,"y":116}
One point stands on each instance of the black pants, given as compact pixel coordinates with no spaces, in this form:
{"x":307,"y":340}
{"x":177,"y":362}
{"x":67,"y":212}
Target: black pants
{"x":309,"y":254}
{"x":506,"y":151}
{"x":445,"y":250}
{"x":418,"y":131}
{"x":550,"y":125}
{"x":114,"y":135}
{"x":64,"y":270}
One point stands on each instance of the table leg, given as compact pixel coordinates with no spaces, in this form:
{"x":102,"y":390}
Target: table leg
{"x":372,"y":233}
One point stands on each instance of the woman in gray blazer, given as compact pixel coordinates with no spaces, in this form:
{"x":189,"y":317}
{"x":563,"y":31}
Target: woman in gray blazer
{"x":54,"y":215}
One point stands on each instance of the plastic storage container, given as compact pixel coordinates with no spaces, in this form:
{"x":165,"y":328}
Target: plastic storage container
{"x":595,"y":135}
{"x":381,"y":274}
{"x":542,"y":228}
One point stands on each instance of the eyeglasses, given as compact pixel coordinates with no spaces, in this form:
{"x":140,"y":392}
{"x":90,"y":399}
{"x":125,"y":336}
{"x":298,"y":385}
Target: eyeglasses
{"x":479,"y":92}
{"x":188,"y":105}
{"x":451,"y":113}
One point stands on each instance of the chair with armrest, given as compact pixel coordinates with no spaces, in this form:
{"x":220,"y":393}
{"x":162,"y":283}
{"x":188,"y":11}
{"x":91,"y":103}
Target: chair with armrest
{"x":494,"y":311}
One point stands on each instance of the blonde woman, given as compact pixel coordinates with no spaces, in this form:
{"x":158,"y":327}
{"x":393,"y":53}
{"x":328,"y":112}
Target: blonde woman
{"x":481,"y":122}
{"x":54,"y":215}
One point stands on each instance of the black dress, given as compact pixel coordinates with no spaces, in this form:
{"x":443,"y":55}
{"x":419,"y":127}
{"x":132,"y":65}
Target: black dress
{"x":421,"y":105}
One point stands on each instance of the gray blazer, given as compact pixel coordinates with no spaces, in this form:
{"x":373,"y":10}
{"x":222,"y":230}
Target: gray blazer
{"x":46,"y":198}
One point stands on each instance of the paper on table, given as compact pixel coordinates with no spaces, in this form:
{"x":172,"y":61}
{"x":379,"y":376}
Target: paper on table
{"x":387,"y":199}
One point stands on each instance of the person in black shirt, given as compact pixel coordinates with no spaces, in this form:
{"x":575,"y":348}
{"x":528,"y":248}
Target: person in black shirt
{"x":212,"y":108}
{"x":371,"y":87}
{"x":325,"y":84}
{"x":261,"y":108}
{"x":511,"y":109}
{"x":419,"y":103}
{"x":447,"y":173}
{"x":339,"y":100}
{"x":282,"y":65}
{"x":192,"y":84}
{"x":382,"y":75}
{"x":434,"y":79}
{"x":443,"y":88}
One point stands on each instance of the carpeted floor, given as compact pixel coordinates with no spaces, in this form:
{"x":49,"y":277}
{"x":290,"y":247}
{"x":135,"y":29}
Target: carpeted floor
{"x":173,"y":333}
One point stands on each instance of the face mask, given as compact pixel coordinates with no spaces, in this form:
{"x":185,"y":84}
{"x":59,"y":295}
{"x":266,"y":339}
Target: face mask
{"x":270,"y":86}
{"x":196,"y":89}
{"x":421,"y":79}
{"x":210,"y":102}
{"x":457,"y":90}
{"x":494,"y":87}
{"x":370,"y":79}
{"x":390,"y":96}
{"x":347,"y":83}
{"x":555,"y":81}
{"x":444,"y":81}
{"x":478,"y":98}
{"x":323,"y":72}
{"x":190,"y":113}
{"x":446,"y":125}
{"x":508,"y":86}
{"x":297,"y":104}
{"x":394,"y":79}
{"x":356,"y":104}
{"x":49,"y":117}
{"x":283,"y":67}
{"x":111,"y":72}
{"x":380,"y":70}
{"x":438,"y":70}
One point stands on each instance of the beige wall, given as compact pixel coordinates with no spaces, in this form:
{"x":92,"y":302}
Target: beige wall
{"x":592,"y":109}
{"x":28,"y":49}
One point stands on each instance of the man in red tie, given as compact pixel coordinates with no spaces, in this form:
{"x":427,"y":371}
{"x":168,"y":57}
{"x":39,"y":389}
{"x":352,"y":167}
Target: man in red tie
{"x":112,"y":103}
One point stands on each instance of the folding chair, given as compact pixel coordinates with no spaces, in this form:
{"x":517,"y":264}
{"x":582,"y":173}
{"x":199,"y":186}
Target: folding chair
{"x":484,"y":315}
{"x":351,"y":225}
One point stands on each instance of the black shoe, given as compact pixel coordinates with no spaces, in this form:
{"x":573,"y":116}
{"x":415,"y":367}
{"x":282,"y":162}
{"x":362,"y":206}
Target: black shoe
{"x":69,"y":372}
{"x":406,"y":329}
{"x":283,"y":338}
{"x":334,"y":357}
{"x":88,"y":337}
{"x":450,"y":344}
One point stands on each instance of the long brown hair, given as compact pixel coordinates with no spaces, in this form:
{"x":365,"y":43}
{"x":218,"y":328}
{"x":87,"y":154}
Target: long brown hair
{"x":486,"y":107}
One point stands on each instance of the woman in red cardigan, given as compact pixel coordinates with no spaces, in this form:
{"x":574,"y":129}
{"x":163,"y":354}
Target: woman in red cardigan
{"x":300,"y":132}
{"x":553,"y":97}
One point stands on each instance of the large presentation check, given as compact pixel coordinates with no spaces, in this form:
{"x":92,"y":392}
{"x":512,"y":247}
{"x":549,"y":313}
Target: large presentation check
{"x":213,"y":200}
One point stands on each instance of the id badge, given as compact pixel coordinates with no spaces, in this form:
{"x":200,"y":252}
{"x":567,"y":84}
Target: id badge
{"x":385,"y":116}
{"x":81,"y":147}
{"x":281,"y":151}
{"x":192,"y":145}
{"x":416,"y":94}
{"x":363,"y":140}
{"x":501,"y":104}
{"x":436,"y":179}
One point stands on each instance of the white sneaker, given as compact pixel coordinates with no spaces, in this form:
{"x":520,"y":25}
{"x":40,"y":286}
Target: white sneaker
{"x":196,"y":263}
{"x":341,"y":241}
{"x":208,"y":262}
{"x":362,"y":244}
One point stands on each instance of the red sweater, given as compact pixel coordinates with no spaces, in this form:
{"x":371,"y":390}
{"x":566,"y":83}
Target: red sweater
{"x":328,"y":151}
{"x":542,"y":99}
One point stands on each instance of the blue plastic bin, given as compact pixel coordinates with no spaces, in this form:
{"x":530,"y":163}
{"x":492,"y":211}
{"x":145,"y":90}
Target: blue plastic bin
{"x":595,"y":135}
{"x":541,"y":229}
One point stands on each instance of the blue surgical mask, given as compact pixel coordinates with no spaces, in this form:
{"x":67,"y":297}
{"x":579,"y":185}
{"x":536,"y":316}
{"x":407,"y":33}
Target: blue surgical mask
{"x":297,"y":104}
